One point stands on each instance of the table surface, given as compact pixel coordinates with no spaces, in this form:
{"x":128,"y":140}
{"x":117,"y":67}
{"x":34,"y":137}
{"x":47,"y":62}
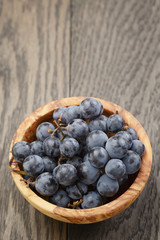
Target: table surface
{"x":59,"y":48}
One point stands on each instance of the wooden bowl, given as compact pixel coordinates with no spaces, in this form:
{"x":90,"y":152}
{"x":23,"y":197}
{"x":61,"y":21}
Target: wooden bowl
{"x":26,"y":132}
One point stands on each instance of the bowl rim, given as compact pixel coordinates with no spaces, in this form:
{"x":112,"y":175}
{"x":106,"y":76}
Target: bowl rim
{"x":84,"y":216}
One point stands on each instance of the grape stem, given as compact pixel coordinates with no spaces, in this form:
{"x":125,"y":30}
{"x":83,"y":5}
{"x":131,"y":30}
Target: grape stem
{"x":29,"y":181}
{"x":75,"y":204}
{"x":58,"y":127}
{"x":125,"y":127}
{"x":59,"y":160}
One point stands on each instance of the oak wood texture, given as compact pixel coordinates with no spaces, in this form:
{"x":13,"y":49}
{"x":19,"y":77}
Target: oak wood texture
{"x":27,"y":131}
{"x":107,"y":49}
{"x":34,"y":70}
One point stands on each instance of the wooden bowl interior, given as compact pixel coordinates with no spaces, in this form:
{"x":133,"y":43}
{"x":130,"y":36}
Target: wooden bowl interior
{"x":126,"y":194}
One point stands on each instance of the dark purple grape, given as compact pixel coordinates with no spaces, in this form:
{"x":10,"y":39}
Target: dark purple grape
{"x":127,"y":136}
{"x":107,"y":186}
{"x":91,"y":108}
{"x":123,"y":179}
{"x":59,"y":113}
{"x":51,"y":146}
{"x":21,"y":150}
{"x":60,"y":198}
{"x":85,"y":158}
{"x":66,"y":174}
{"x":91,"y":200}
{"x":87,"y":173}
{"x":75,"y":161}
{"x":71,"y":113}
{"x":49,"y":163}
{"x":132,"y":162}
{"x":77,"y":190}
{"x":42,"y":131}
{"x":96,"y":138}
{"x":138,"y":147}
{"x":132,"y":132}
{"x":37,"y":148}
{"x":78,"y":129}
{"x":116,"y":147}
{"x":115,"y":123}
{"x":69,"y":147}
{"x":82,"y":149}
{"x":115,"y":169}
{"x":46,"y":184}
{"x":99,"y":123}
{"x":98,"y":157}
{"x":33,"y":165}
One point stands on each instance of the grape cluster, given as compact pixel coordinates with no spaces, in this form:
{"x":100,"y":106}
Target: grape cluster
{"x":81,"y":158}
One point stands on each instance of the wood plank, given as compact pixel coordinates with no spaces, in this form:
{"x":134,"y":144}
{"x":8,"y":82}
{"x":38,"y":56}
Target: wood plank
{"x":34,"y":70}
{"x":115,"y":55}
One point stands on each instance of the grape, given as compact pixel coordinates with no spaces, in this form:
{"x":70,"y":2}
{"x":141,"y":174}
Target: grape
{"x":123,"y":179}
{"x":69,"y":147}
{"x":99,"y":123}
{"x":77,"y":190}
{"x":51,"y":146}
{"x":107,"y":186}
{"x":42,"y":131}
{"x":37,"y":148}
{"x":33,"y":165}
{"x":21,"y":150}
{"x":138,"y":147}
{"x":127,"y":136}
{"x":133,"y":133}
{"x":85,"y":158}
{"x":49,"y":163}
{"x":71,"y":113}
{"x":115,"y":169}
{"x":98,"y":157}
{"x":59,"y":113}
{"x":82,"y":149}
{"x":91,"y":108}
{"x":66,"y":174}
{"x":77,"y":129}
{"x":46,"y":184}
{"x":75,"y":161}
{"x":91,"y":199}
{"x":96,"y":138}
{"x":87,"y":173}
{"x":132,"y":161}
{"x":60,"y":198}
{"x":116,"y":147}
{"x":115,"y":123}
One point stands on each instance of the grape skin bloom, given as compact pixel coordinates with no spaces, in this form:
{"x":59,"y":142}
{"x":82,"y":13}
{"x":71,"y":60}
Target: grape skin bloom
{"x":46,"y":184}
{"x":90,"y":108}
{"x":21,"y":150}
{"x":115,"y":169}
{"x":33,"y":165}
{"x":107,"y":186}
{"x":66,"y":174}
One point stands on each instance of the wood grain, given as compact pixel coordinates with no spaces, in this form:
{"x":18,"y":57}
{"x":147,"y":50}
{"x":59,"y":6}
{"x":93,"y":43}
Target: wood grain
{"x":115,"y":55}
{"x":108,"y":49}
{"x":34,"y":70}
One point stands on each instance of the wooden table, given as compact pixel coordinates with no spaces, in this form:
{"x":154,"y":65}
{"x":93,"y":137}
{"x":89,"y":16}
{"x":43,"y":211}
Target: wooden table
{"x":51,"y":49}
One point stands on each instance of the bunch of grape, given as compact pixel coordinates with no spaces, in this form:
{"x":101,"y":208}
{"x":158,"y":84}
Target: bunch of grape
{"x":81,"y":158}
